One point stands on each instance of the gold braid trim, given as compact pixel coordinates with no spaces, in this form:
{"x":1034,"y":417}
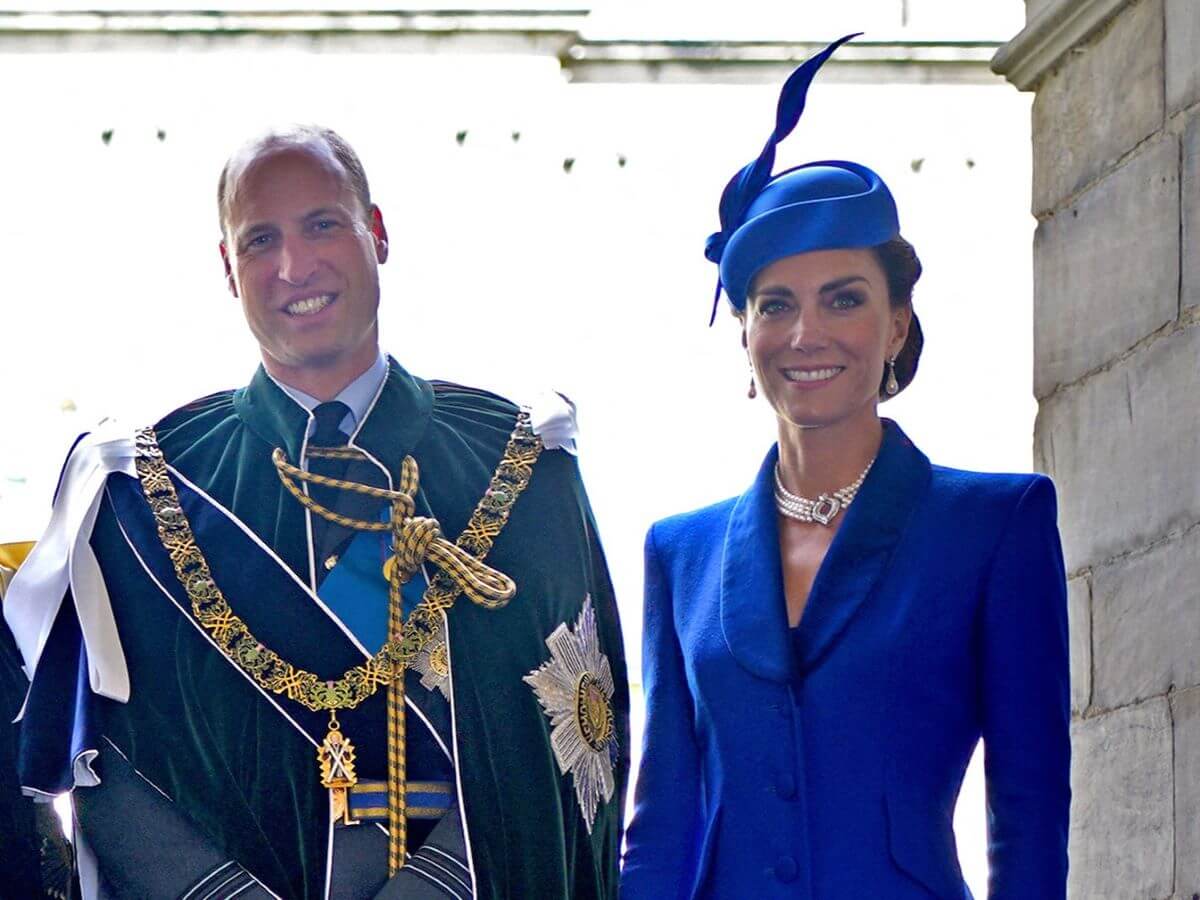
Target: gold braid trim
{"x":276,"y":674}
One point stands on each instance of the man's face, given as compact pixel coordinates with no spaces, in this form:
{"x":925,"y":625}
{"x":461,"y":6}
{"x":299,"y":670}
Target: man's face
{"x":302,"y":255}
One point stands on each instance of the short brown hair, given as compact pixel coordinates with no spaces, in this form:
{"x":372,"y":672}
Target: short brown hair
{"x":299,"y":135}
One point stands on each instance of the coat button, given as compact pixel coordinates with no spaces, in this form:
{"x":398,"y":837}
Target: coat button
{"x":786,"y":869}
{"x":785,"y":786}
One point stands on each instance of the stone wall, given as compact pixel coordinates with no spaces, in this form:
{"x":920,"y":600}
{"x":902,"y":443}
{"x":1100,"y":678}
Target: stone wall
{"x":1116,"y":191}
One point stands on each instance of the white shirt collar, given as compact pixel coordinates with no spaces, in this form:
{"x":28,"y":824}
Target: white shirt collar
{"x":357,"y":395}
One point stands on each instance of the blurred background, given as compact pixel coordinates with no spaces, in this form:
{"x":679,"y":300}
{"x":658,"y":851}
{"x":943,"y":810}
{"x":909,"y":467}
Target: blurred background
{"x":548,"y":175}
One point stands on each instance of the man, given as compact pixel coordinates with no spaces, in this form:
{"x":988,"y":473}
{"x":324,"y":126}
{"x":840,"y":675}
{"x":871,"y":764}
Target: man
{"x":283,"y":676}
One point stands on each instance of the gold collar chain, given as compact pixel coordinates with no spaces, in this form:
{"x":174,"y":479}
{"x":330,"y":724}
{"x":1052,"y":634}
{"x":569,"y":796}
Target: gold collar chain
{"x":459,"y":570}
{"x":276,"y":674}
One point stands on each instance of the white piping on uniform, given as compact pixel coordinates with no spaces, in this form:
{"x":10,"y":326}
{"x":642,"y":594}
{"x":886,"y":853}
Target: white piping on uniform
{"x":329,"y":851}
{"x":137,"y":772}
{"x":191,"y":892}
{"x":308,"y":528}
{"x":187,"y":615}
{"x":428,"y":876}
{"x":462,"y":798}
{"x":430,"y":861}
{"x":262,"y":545}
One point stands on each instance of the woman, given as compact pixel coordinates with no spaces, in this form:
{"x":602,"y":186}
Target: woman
{"x":818,"y":671}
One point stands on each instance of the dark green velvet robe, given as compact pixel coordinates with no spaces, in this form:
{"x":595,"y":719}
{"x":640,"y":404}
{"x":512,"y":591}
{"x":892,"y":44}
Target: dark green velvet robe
{"x":198,"y":729}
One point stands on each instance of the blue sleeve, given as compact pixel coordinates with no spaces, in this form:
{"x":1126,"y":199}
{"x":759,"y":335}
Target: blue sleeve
{"x":663,"y":838}
{"x":145,"y":846}
{"x":1026,"y":704}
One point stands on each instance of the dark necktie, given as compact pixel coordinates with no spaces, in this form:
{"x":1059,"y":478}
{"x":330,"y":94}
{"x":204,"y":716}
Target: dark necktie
{"x":328,"y":433}
{"x":329,"y":418}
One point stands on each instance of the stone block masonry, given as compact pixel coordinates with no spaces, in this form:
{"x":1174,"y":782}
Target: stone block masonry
{"x":1122,"y":816}
{"x":1116,"y":189}
{"x":1112,"y":257}
{"x":1104,"y":99}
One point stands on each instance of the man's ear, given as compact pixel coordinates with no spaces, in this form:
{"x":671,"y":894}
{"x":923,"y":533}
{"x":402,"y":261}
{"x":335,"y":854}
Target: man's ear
{"x":230,"y":282}
{"x":379,"y":233}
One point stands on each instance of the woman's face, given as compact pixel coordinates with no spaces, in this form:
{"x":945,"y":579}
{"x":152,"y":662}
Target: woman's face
{"x":818,"y":328}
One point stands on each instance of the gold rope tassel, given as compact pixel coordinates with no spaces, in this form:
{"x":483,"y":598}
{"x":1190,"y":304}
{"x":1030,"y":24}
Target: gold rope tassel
{"x":414,"y":539}
{"x":396,"y":737}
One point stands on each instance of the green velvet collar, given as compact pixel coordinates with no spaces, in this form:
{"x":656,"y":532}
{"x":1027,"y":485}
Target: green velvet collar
{"x":393,"y":425}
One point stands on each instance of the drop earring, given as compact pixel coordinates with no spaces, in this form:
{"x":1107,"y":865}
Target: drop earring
{"x":892,"y":387}
{"x":753,"y":392}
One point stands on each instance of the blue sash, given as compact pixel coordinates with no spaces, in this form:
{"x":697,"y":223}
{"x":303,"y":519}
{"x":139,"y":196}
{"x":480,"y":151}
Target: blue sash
{"x":355,"y":591}
{"x":277,"y":608}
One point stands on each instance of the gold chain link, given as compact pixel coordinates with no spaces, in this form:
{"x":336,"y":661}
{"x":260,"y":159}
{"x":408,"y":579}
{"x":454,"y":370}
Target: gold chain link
{"x":264,"y":665}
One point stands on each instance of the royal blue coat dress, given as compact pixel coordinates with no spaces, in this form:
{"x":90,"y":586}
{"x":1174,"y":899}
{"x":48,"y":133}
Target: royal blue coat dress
{"x":824,"y":762}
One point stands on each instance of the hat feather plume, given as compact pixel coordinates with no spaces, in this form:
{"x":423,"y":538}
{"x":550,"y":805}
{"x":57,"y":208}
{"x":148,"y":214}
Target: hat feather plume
{"x":749,"y":181}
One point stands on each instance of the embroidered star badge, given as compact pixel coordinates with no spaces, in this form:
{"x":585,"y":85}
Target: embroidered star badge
{"x":575,"y":689}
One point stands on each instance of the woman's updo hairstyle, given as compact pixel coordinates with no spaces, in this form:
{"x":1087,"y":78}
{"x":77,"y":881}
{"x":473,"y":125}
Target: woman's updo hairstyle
{"x":902,"y":268}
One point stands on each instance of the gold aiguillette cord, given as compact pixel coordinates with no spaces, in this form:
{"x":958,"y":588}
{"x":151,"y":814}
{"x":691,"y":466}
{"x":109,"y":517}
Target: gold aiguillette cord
{"x":414,"y":539}
{"x":460,"y":569}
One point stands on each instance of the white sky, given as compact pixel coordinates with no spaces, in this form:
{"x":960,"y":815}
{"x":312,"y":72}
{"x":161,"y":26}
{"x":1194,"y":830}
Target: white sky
{"x":506,"y":271}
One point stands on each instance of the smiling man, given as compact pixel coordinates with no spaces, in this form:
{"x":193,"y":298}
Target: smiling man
{"x":346,"y":633}
{"x":302,"y":245}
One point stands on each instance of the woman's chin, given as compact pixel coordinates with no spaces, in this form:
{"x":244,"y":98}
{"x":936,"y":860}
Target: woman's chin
{"x":811,"y":415}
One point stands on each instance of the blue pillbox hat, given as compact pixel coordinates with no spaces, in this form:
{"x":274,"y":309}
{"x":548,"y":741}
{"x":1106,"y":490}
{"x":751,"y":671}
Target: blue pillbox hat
{"x":827,"y":205}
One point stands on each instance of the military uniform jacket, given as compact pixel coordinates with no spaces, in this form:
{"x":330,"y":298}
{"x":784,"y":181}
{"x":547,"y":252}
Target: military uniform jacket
{"x":240,"y":762}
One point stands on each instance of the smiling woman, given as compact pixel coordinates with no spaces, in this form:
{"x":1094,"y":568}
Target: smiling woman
{"x":823,"y":653}
{"x":822,"y":331}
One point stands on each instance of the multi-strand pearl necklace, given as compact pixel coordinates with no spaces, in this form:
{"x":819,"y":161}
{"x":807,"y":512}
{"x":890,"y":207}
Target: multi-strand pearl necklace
{"x":825,"y":508}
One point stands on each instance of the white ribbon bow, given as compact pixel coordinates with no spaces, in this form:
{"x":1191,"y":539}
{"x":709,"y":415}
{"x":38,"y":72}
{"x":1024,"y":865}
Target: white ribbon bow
{"x":64,"y":557}
{"x":552,"y":417}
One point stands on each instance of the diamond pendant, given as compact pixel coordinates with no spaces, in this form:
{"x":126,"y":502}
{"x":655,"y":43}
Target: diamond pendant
{"x":825,"y":508}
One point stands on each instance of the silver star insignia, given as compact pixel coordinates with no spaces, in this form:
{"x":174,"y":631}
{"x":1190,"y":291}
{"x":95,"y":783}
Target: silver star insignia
{"x":575,"y":689}
{"x":433,"y":663}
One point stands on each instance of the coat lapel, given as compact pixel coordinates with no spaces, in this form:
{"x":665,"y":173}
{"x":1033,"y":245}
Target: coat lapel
{"x":753,"y":614}
{"x":859,"y":555}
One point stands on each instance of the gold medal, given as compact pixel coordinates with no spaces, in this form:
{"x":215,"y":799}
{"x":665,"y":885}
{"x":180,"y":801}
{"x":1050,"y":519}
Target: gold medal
{"x":414,"y":540}
{"x":336,"y":758}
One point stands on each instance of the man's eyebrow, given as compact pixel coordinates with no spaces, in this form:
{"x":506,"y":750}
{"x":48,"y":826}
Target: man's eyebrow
{"x":256,"y":228}
{"x":324,"y":211}
{"x":839,"y":283}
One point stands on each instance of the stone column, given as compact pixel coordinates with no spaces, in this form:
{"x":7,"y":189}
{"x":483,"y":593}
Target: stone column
{"x":1116,"y":191}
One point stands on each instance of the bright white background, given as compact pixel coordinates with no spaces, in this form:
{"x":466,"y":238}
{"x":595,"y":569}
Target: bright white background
{"x":506,"y":271}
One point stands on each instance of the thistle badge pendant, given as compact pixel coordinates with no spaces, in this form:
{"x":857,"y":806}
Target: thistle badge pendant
{"x":336,"y":759}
